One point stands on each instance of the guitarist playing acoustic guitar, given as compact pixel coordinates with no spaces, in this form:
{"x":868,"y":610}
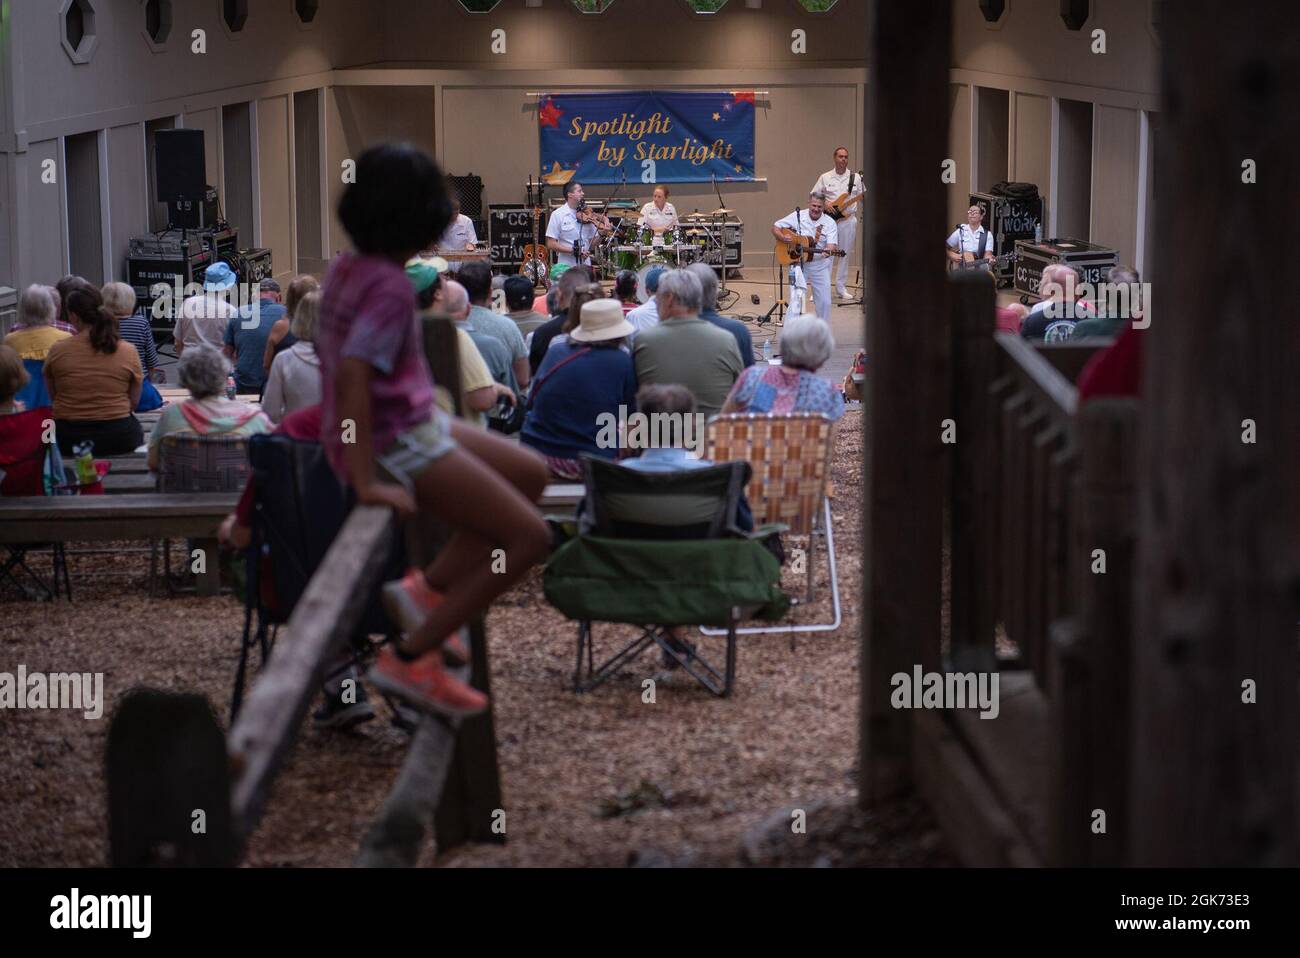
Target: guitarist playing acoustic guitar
{"x":970,"y":245}
{"x":805,"y":239}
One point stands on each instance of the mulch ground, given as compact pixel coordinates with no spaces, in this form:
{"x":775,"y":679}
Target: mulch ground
{"x":598,"y":779}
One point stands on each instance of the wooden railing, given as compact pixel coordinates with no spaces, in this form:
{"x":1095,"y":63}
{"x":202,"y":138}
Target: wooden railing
{"x":1042,"y":505}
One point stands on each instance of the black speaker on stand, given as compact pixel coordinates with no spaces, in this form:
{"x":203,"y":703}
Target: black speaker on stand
{"x":180,"y":173}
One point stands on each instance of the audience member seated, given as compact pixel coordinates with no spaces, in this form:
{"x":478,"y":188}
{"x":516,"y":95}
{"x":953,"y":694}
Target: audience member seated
{"x":202,"y":319}
{"x":60,"y":291}
{"x":281,"y":336}
{"x":625,"y":290}
{"x":792,"y":386}
{"x":94,"y":380}
{"x":709,"y":286}
{"x":133,"y":327}
{"x":1053,"y":318}
{"x":479,"y":392}
{"x":685,"y":349}
{"x":647,"y":314}
{"x":495,"y":354}
{"x":580,"y":384}
{"x":581,"y":297}
{"x":1010,"y":318}
{"x":569,"y":281}
{"x":246,"y":337}
{"x":1115,"y":370}
{"x":294,"y":380}
{"x":22,"y":431}
{"x":203,"y":371}
{"x":1117,"y":313}
{"x":519,"y":305}
{"x":34,"y":326}
{"x":476,"y":277}
{"x":545,"y":302}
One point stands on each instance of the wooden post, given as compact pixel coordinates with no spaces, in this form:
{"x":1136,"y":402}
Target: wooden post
{"x":1215,"y":777}
{"x":907,"y":124}
{"x":974,"y":488}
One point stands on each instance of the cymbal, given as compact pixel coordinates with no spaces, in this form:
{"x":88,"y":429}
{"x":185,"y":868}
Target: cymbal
{"x":697,"y":232}
{"x":696,"y":217}
{"x":722,"y":211}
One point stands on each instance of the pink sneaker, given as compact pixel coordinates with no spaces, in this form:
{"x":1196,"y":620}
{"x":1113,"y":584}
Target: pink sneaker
{"x":426,"y":685}
{"x":408,"y":602}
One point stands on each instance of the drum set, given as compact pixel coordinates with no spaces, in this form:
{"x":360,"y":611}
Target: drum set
{"x":697,"y":238}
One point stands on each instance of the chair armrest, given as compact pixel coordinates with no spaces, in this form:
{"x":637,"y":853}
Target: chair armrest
{"x":763,"y":531}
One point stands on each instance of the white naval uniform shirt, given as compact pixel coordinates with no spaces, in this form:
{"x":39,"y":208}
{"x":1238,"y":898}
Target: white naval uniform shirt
{"x":807,"y":226}
{"x":834,"y":184}
{"x":656,"y":218}
{"x":459,"y":234}
{"x":564,"y":226}
{"x":965,"y":240}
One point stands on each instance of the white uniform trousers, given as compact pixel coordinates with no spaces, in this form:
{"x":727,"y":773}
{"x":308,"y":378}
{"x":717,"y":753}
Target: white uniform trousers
{"x":848,"y":230}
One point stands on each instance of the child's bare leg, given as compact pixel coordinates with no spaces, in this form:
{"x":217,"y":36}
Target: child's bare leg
{"x":467,"y":494}
{"x":524,"y":470}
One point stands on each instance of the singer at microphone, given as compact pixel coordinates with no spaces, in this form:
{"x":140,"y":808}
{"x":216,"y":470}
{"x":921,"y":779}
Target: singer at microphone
{"x":658,"y":214}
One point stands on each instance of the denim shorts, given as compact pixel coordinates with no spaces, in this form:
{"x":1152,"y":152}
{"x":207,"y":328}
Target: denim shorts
{"x":417,"y":449}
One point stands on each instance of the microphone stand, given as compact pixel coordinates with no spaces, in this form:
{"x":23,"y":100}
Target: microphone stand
{"x":779,"y":306}
{"x":722,"y":235}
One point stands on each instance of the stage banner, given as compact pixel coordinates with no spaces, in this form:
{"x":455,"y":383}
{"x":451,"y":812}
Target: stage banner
{"x":647,"y":137}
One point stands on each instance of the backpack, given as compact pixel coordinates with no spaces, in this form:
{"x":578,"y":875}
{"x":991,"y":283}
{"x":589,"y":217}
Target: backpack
{"x":1015,"y":191}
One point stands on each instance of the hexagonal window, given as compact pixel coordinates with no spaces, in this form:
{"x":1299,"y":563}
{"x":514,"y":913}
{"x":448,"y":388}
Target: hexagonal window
{"x":234,"y":14}
{"x":706,"y":6}
{"x":158,"y":20}
{"x":817,"y":6}
{"x":593,"y":6}
{"x":479,"y":6}
{"x":77,"y":18}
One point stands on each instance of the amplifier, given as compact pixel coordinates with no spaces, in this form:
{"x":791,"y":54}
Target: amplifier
{"x":222,"y":242}
{"x":168,"y":243}
{"x":1091,"y":262}
{"x":468,"y":189}
{"x":510,"y":229}
{"x":144,"y":272}
{"x":252,"y":265}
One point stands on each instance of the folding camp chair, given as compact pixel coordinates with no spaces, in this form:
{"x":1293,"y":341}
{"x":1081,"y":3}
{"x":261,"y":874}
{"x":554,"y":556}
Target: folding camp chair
{"x":663,"y":549}
{"x":191,"y":463}
{"x":26,"y":476}
{"x":299,"y":506}
{"x":790,"y":457}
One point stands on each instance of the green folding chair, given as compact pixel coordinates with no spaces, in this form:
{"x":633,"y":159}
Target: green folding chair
{"x":656,"y":550}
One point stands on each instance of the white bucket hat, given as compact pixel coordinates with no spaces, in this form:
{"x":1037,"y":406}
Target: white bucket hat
{"x":601,"y":319}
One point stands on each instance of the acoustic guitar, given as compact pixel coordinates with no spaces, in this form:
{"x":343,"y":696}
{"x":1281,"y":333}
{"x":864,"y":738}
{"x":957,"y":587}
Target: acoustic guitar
{"x":537,"y":258}
{"x":793,"y":248}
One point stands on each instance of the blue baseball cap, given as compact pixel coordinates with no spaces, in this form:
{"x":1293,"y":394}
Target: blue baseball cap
{"x":219,"y":276}
{"x":652,"y":278}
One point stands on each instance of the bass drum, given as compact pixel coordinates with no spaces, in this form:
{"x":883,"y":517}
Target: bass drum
{"x":657,"y":261}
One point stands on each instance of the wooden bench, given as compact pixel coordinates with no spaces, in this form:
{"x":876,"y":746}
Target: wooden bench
{"x":144,"y":516}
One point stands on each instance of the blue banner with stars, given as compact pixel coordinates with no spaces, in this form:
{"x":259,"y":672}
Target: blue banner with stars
{"x":647,"y":137}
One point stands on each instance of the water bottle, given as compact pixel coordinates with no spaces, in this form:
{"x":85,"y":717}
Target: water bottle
{"x":230,"y":387}
{"x":85,"y":463}
{"x":1038,"y":232}
{"x":767,"y":351}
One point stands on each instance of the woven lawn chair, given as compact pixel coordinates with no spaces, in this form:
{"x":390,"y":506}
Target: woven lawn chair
{"x":662,"y":549}
{"x":192,"y":463}
{"x":790,"y":458}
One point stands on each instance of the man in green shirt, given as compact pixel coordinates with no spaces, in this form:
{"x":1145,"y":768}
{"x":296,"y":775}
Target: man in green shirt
{"x":1115,"y":310}
{"x":685,"y":349}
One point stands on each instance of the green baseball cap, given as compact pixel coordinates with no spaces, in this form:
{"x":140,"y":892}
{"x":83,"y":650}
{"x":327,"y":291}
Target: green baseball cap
{"x":421,"y":274}
{"x":558,"y":270}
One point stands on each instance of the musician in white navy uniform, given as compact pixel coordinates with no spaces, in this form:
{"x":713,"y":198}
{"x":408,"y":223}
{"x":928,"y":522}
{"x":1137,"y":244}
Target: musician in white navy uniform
{"x":458,"y":237}
{"x":815,"y":275}
{"x":834,"y":184}
{"x":971,"y":237}
{"x":564,"y":231}
{"x":658,"y":214}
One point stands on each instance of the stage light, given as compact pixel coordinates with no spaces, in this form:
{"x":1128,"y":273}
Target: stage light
{"x":993,"y":9}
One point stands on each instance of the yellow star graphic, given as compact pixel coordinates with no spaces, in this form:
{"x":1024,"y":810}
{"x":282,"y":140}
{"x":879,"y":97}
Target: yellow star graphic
{"x":716,"y":117}
{"x":737,"y":167}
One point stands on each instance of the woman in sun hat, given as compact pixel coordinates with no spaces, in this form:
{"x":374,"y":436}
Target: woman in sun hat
{"x":579,"y":384}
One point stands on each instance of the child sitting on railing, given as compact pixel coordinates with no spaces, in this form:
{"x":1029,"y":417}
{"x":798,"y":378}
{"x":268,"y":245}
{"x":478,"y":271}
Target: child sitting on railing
{"x":383,"y":434}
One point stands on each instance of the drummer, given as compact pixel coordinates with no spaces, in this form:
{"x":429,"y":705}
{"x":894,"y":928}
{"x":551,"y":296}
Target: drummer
{"x":658,"y":214}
